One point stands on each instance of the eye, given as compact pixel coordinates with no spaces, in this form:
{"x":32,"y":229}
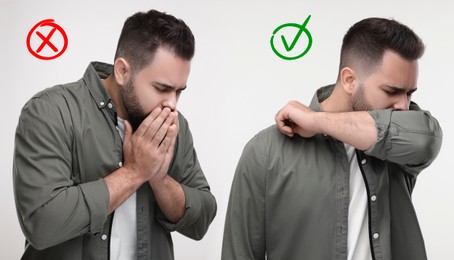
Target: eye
{"x":161,"y":89}
{"x":390,"y":92}
{"x":158,"y":88}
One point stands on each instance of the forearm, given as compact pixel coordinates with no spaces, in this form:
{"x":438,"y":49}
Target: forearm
{"x":354,"y":128}
{"x":121,"y":184}
{"x":190,"y":207}
{"x":170,"y":198}
{"x":357,"y":129}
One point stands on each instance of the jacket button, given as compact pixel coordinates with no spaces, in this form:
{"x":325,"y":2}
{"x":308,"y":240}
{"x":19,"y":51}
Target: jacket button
{"x":104,"y":237}
{"x":363,"y":161}
{"x":376,"y":235}
{"x":373,"y":198}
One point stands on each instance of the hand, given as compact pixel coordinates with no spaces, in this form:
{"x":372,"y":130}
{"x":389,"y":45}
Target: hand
{"x":162,"y":173}
{"x":296,"y":118}
{"x":149,"y":150}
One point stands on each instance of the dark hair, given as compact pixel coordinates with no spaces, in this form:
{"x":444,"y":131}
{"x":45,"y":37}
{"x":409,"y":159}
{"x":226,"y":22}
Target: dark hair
{"x":366,"y":41}
{"x":143,"y":33}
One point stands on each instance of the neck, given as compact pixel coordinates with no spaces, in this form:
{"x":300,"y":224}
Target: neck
{"x":338,"y":101}
{"x":114,"y":91}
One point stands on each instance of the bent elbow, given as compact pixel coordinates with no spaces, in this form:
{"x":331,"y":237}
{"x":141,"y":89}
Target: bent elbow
{"x":433,"y":147}
{"x":197,"y":230}
{"x":37,"y":238}
{"x":43,"y":231}
{"x":424,"y":151}
{"x":38,"y":244}
{"x":433,"y":143}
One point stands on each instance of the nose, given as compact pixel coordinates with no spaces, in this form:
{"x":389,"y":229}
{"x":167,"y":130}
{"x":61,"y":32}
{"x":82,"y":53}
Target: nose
{"x":402,"y":103}
{"x":170,"y":101}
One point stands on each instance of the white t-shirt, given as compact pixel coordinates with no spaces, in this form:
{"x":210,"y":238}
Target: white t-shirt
{"x":358,"y":220}
{"x":123,"y":238}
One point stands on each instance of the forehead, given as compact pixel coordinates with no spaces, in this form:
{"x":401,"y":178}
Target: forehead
{"x":395,"y":71}
{"x":167,"y":68}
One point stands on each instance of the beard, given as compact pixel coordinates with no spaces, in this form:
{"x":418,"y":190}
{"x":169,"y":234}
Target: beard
{"x":359,"y":101}
{"x":131,"y":103}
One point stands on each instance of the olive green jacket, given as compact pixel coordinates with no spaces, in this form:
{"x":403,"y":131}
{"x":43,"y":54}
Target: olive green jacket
{"x":66,"y":142}
{"x":290,"y":196}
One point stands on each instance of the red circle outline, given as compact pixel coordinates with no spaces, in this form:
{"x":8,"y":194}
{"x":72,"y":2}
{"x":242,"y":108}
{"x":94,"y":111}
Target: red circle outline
{"x":47,"y":22}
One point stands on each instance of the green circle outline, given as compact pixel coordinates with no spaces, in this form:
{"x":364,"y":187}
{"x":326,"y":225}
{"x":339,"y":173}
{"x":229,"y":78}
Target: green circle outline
{"x":298,"y":26}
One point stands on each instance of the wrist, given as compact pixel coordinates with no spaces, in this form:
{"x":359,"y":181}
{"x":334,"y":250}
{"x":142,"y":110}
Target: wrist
{"x":318,"y":124}
{"x":158,"y":182}
{"x":133,"y":176}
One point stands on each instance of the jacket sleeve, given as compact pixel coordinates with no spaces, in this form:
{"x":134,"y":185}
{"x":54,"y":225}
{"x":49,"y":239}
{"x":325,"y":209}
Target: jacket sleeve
{"x":412,"y":139}
{"x":244,"y":231}
{"x":51,"y":209}
{"x":200,"y":203}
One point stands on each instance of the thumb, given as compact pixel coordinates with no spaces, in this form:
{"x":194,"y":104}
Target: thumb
{"x":128,"y":131}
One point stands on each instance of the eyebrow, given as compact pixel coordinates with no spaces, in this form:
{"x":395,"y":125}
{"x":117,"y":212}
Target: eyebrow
{"x":169,"y":87}
{"x":401,"y":90}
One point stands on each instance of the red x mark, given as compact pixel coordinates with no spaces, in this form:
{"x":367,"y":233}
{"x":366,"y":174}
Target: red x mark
{"x":46,"y":40}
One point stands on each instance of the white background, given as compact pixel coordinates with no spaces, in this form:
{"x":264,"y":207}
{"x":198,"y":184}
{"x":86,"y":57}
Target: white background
{"x":236,"y":85}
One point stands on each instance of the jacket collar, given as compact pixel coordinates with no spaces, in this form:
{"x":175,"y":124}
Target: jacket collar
{"x":320,"y":96}
{"x":95,"y":72}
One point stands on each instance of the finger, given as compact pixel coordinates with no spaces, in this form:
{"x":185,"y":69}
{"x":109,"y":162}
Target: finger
{"x":173,"y":132}
{"x":176,"y":121}
{"x":128,"y":131}
{"x":127,"y":138}
{"x":143,"y":127}
{"x":128,"y":145}
{"x":283,"y":114}
{"x":281,"y":119}
{"x":154,"y":127}
{"x":285,"y":126}
{"x":168,"y":143}
{"x":168,"y":147}
{"x":162,"y":131}
{"x":287,"y":130}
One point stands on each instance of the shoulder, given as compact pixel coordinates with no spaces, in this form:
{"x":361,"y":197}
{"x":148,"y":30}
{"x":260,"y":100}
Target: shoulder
{"x":53,"y":106}
{"x":272,"y":140}
{"x":274,"y":150}
{"x":268,"y":136}
{"x":59,"y":95}
{"x":265,"y":143}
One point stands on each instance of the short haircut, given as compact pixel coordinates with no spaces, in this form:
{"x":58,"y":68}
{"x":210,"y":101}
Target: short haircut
{"x":143,"y":33}
{"x":366,"y":41}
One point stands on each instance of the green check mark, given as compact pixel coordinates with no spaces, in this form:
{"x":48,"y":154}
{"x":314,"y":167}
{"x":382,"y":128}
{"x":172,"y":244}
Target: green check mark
{"x":297,"y":37}
{"x":288,"y":48}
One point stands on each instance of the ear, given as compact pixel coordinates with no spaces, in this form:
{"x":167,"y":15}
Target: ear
{"x":122,"y":71}
{"x":349,"y":79}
